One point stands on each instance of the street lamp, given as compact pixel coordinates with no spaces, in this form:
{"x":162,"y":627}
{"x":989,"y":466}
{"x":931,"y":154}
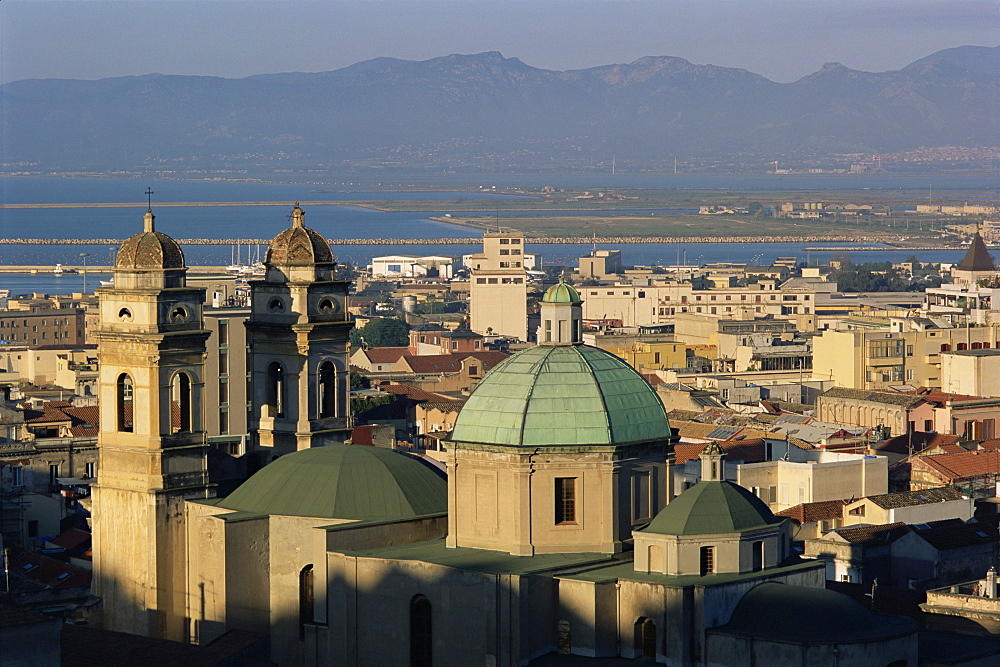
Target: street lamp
{"x":85,"y":255}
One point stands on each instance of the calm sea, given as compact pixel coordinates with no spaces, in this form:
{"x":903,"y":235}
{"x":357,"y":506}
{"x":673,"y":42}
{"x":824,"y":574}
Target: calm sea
{"x":343,"y":221}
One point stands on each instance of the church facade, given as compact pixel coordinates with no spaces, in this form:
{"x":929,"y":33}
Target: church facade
{"x":556,"y":530}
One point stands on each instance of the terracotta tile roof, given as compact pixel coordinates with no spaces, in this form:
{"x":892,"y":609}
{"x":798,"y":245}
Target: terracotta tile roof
{"x":891,"y":398}
{"x":912,"y":498}
{"x":827,"y":510}
{"x":964,"y":465}
{"x":451,"y":363}
{"x":872,"y":534}
{"x":919,"y":439}
{"x":46,"y":416}
{"x":955,"y":534}
{"x":48,"y":571}
{"x":653,"y":378}
{"x":385,"y":355}
{"x":752,"y":450}
{"x":72,"y":540}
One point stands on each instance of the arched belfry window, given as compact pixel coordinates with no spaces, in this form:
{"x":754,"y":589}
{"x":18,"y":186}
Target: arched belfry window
{"x":421,"y":638}
{"x":327,"y":390}
{"x":305,"y":599}
{"x":124,"y":395}
{"x":180,"y":403}
{"x":276,"y":389}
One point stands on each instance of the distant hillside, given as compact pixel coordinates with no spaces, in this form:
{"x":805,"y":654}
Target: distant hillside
{"x":979,"y":59}
{"x":486,"y":111}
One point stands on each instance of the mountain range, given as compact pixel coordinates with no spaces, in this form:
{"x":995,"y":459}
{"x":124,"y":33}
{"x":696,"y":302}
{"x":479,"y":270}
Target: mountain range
{"x":486,"y":111}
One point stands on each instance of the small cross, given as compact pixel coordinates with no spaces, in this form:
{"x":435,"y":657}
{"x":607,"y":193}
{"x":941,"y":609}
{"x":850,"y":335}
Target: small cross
{"x":149,"y":198}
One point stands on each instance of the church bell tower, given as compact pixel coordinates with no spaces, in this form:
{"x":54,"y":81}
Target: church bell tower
{"x":152,"y":443}
{"x":298,"y":334}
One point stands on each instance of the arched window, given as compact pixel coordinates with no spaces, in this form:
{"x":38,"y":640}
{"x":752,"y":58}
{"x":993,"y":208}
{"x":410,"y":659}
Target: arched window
{"x":645,"y":638}
{"x":327,"y":390}
{"x":276,"y":389}
{"x":305,"y":599}
{"x":421,"y":636}
{"x":180,"y":403}
{"x":125,"y":392}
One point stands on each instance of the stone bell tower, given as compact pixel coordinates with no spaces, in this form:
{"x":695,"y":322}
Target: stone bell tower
{"x":151,"y":348}
{"x":297,"y":334}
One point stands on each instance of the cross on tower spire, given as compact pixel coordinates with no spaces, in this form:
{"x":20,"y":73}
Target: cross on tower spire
{"x":149,"y":199}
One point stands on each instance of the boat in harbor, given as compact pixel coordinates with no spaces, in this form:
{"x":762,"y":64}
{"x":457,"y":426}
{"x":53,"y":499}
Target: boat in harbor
{"x":58,"y":270}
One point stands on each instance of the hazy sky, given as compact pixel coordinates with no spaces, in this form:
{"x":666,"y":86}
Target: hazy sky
{"x":780,"y":39}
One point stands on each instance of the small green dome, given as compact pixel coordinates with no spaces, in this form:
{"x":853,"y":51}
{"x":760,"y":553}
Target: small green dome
{"x":343,"y":482}
{"x":710,"y":508}
{"x":561,"y":293}
{"x":562,"y":395}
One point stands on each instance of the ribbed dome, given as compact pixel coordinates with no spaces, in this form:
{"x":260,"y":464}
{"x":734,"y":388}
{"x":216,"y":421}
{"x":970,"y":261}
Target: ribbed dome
{"x":779,"y":612}
{"x":561,"y":293}
{"x":150,"y":249}
{"x":710,"y":508}
{"x":561,"y":395}
{"x":343,"y":482}
{"x":298,"y":245}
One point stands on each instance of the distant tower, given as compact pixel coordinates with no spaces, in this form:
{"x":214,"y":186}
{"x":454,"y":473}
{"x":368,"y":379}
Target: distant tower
{"x":498,"y":287}
{"x":297,"y":335}
{"x":151,"y":348}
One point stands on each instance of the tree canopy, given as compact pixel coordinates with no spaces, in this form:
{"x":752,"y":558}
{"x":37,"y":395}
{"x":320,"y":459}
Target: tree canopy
{"x":383,"y":332}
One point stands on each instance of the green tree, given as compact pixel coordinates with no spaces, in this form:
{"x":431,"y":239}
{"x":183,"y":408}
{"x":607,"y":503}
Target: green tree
{"x":755,"y":208}
{"x":383,"y":332}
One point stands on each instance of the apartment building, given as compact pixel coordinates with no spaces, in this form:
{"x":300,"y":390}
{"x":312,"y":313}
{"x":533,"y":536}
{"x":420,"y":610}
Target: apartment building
{"x":498,"y":289}
{"x":656,"y":302}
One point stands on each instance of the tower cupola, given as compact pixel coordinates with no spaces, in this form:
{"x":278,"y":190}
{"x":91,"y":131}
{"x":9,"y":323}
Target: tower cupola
{"x":562,"y":316}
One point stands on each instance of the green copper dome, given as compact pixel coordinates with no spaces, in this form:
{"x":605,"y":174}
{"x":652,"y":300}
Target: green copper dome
{"x":343,"y":482}
{"x":709,"y":508}
{"x":562,"y":293}
{"x":561,"y":395}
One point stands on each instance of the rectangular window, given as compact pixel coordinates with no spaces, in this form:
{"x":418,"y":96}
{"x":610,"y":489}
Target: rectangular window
{"x":758,"y":556}
{"x":223,"y":332}
{"x":504,"y":265}
{"x":223,"y":421}
{"x":18,"y":475}
{"x":492,"y":281}
{"x":89,"y":469}
{"x":480,"y":281}
{"x":707,"y":560}
{"x":223,"y":362}
{"x":641,"y":496}
{"x":224,"y":391}
{"x":504,"y":241}
{"x":515,"y":241}
{"x":565,"y":500}
{"x":32,"y":528}
{"x":504,"y":251}
{"x":53,"y":472}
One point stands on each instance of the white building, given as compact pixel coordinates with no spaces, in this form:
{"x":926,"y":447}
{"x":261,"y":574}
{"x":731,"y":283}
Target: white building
{"x":411,"y":266}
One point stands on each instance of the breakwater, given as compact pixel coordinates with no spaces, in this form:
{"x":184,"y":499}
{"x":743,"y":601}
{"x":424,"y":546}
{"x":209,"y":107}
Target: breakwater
{"x":552,"y":240}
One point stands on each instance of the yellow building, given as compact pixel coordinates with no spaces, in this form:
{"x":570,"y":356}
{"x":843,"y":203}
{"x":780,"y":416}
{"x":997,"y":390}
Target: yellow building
{"x":878,"y":360}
